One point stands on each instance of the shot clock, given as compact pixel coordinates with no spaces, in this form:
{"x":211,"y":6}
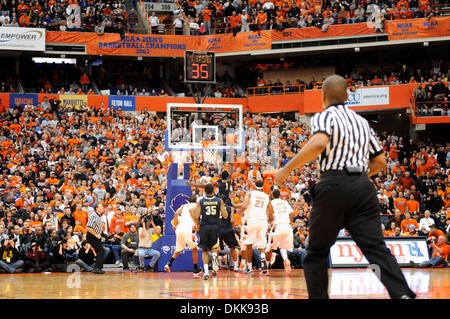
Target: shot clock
{"x":200,"y":67}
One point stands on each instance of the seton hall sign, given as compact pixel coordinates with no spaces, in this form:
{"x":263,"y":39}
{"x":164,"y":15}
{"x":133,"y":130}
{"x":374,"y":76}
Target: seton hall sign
{"x":345,"y":252}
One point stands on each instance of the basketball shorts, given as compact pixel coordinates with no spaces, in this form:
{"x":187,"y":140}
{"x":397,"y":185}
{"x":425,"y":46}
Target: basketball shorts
{"x":227,"y":236}
{"x":209,"y":236}
{"x":281,"y":237}
{"x":184,"y":237}
{"x":257,"y":230}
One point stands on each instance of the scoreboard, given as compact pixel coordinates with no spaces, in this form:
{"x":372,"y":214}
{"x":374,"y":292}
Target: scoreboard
{"x":200,"y":67}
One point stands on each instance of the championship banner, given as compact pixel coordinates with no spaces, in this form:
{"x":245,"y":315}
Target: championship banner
{"x":126,"y":103}
{"x":23,"y":39}
{"x":161,"y":45}
{"x":247,"y":41}
{"x":130,"y":44}
{"x":74,"y":100}
{"x":368,"y":96}
{"x":418,"y":28}
{"x":345,"y":252}
{"x":345,"y":30}
{"x":22,"y":99}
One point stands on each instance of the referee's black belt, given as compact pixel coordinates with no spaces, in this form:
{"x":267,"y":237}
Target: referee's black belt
{"x":348,"y":170}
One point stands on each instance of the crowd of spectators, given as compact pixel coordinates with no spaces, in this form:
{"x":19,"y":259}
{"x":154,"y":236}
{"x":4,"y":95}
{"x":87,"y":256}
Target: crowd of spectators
{"x":226,"y":87}
{"x":131,"y":78}
{"x":62,"y":79}
{"x":8,"y":85}
{"x":58,"y":161}
{"x":85,"y":16}
{"x":431,"y":94}
{"x":434,"y":78}
{"x":8,"y":82}
{"x":204,"y":17}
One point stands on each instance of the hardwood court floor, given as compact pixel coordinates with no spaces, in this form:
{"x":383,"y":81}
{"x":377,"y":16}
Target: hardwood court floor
{"x":344,"y":283}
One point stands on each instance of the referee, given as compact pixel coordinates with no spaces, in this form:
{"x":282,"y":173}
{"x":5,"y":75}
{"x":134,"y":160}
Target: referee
{"x":93,"y":237}
{"x":345,"y":196}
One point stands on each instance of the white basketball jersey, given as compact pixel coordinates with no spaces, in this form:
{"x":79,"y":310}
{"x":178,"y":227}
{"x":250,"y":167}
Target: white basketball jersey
{"x":281,"y":211}
{"x":257,"y":209}
{"x":185,"y":217}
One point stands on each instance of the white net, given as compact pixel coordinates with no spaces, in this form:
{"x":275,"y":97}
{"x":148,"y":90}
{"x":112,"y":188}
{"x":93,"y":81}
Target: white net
{"x":209,"y":151}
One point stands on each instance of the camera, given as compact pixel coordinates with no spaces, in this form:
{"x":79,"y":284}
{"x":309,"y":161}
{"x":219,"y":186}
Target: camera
{"x":147,"y":218}
{"x":144,"y":219}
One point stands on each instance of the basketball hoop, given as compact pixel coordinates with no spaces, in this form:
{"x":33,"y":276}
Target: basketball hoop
{"x":209,"y":151}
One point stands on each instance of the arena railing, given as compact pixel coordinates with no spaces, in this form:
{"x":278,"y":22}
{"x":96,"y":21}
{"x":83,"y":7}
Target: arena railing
{"x":220,"y":24}
{"x":432,"y":108}
{"x":275,"y":90}
{"x":318,"y":85}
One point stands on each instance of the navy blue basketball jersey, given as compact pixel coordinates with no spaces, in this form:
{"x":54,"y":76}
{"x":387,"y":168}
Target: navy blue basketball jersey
{"x":224,"y":188}
{"x":226,"y":222}
{"x":210,"y":210}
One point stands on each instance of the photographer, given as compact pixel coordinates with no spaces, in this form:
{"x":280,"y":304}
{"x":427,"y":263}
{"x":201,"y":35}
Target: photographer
{"x":440,"y":253}
{"x":69,"y":248}
{"x":434,"y":232}
{"x":36,"y":260}
{"x":50,"y":243}
{"x":86,"y":257}
{"x":130,"y":245}
{"x":156,"y":217}
{"x":10,"y":259}
{"x":59,"y":260}
{"x":145,"y":243}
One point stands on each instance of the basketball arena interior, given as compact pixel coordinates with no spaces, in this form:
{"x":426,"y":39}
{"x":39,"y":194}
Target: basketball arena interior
{"x":133,"y":104}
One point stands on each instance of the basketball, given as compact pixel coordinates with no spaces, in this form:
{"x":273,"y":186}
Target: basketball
{"x":230,"y":138}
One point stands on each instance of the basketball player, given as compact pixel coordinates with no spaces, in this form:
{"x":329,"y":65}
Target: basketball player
{"x":281,"y":235}
{"x":207,"y":213}
{"x":243,"y":239}
{"x":255,"y":204}
{"x":224,"y":185}
{"x":183,"y":224}
{"x":227,"y":234}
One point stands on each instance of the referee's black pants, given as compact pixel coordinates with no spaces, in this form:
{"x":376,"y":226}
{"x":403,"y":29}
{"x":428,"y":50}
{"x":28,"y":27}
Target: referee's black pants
{"x":99,"y":250}
{"x":350,"y":201}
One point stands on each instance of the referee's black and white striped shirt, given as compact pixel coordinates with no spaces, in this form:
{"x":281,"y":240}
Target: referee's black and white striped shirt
{"x":96,"y":223}
{"x":352,"y":140}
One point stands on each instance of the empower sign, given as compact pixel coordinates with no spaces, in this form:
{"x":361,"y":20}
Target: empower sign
{"x":345,"y":252}
{"x":25,"y":39}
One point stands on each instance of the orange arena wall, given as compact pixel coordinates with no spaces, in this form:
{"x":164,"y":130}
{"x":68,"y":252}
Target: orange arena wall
{"x":306,"y":102}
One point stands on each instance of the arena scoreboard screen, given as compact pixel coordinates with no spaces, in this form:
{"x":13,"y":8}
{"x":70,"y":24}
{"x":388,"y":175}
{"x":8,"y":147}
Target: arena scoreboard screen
{"x":200,"y":67}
